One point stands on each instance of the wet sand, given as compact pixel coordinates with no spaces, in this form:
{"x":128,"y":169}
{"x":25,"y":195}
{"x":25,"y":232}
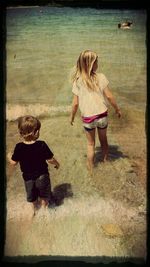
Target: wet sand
{"x":99,"y":215}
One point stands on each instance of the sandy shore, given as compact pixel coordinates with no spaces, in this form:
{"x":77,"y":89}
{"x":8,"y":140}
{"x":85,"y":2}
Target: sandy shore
{"x":99,"y":215}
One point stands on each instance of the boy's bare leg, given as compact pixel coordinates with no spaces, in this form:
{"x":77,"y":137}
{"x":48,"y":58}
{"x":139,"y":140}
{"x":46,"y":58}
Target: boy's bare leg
{"x":102,"y":134}
{"x":44,"y":203}
{"x":90,"y":149}
{"x":34,"y":206}
{"x":43,"y":207}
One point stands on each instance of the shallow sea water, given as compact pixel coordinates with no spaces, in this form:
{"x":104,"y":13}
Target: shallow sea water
{"x":43,"y":44}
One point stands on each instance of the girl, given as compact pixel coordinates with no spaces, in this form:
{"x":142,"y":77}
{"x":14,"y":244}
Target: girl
{"x":92,"y":94}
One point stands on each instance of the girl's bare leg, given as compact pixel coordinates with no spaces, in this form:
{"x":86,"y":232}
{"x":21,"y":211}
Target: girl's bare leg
{"x":102,"y":134}
{"x":90,"y":149}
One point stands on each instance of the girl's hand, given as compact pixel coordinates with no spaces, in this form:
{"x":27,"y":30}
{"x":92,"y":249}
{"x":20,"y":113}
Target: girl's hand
{"x":118,"y":112}
{"x":71,"y":122}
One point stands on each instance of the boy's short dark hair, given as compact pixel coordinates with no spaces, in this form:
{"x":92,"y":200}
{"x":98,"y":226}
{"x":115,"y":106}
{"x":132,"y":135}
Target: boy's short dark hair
{"x":29,"y":127}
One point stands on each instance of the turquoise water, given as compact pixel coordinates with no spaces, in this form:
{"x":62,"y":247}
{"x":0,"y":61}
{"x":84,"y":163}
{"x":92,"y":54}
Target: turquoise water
{"x":43,"y":44}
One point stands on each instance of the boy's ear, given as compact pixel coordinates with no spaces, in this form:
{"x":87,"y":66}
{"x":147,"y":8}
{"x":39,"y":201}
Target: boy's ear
{"x":37,"y":133}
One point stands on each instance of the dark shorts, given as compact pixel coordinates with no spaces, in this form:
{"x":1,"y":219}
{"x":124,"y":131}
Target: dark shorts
{"x":41,"y":187}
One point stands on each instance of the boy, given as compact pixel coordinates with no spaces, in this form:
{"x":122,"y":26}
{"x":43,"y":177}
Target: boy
{"x":33,"y":156}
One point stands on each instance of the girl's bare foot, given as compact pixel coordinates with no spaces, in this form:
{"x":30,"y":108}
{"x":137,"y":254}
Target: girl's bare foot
{"x":105,"y":159}
{"x":90,"y":167}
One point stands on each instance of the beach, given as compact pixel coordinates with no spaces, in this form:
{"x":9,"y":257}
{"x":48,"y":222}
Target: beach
{"x":99,"y":215}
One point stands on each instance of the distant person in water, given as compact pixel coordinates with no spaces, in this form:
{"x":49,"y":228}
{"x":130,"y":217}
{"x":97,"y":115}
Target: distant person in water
{"x":90,"y":94}
{"x":33,"y":156}
{"x":125,"y":25}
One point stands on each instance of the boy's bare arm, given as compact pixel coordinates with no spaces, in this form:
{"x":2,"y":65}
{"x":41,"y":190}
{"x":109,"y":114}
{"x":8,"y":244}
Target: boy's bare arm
{"x":54,"y":162}
{"x":112,"y":100}
{"x":12,"y":162}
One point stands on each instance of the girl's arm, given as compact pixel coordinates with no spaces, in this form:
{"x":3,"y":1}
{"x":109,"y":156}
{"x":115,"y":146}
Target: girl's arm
{"x":108,"y":94}
{"x":54,"y":162}
{"x":75,"y":104}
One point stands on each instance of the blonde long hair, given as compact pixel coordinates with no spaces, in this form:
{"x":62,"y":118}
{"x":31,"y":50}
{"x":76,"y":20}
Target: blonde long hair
{"x":84,"y":69}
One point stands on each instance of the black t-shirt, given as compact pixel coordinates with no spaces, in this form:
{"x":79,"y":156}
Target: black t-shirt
{"x":32,"y":158}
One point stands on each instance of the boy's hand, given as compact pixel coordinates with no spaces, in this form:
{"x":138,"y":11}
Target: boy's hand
{"x":57,"y":166}
{"x":12,"y":162}
{"x":9,"y":155}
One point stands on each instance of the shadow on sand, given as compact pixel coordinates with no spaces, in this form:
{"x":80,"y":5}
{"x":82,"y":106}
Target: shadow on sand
{"x":62,"y":191}
{"x":113,"y":154}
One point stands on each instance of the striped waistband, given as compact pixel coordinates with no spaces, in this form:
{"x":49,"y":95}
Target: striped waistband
{"x":94,"y":117}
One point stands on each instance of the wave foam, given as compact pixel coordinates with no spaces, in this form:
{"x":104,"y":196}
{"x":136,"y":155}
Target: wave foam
{"x":13,"y":112}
